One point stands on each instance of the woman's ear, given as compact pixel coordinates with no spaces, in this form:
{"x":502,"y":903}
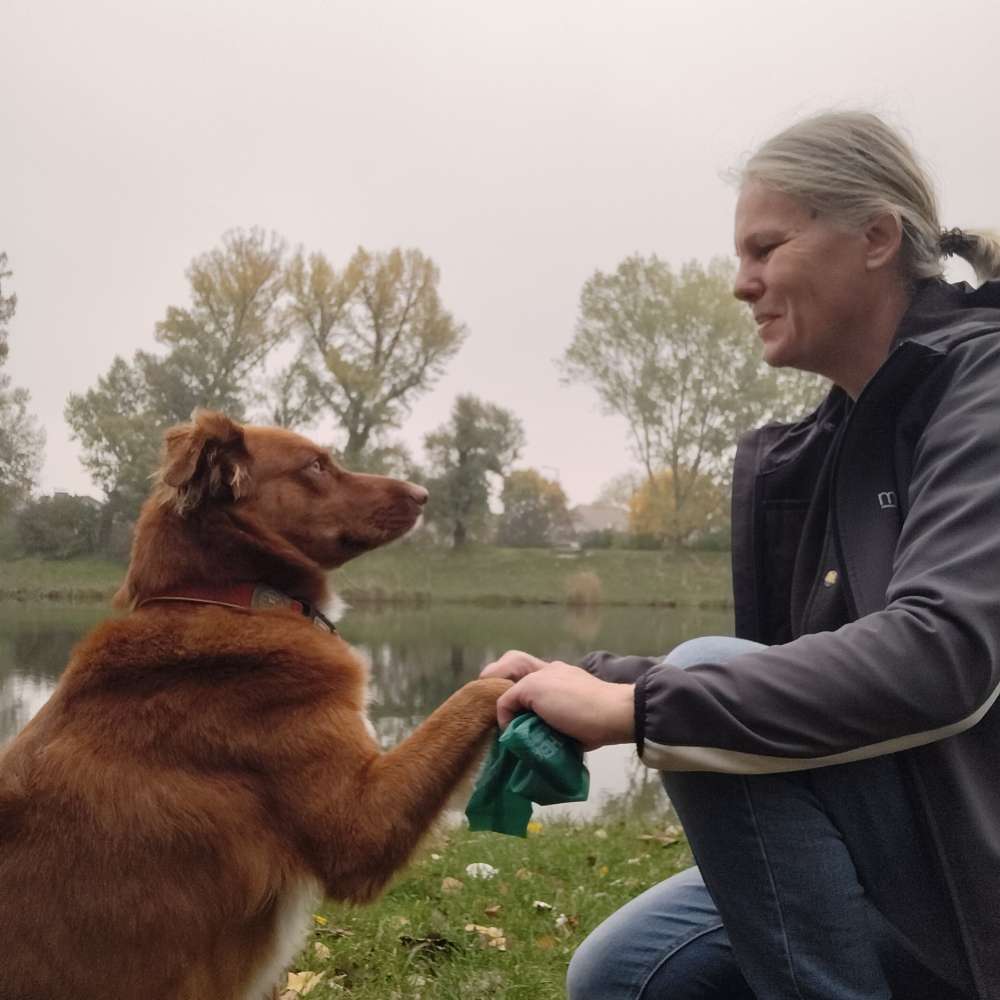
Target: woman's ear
{"x":884,"y":238}
{"x":204,"y":460}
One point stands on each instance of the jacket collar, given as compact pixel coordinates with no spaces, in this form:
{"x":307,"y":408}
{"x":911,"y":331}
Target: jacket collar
{"x":940,"y":313}
{"x":243,"y":596}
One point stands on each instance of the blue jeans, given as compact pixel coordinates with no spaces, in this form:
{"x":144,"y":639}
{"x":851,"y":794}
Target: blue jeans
{"x":812,"y":885}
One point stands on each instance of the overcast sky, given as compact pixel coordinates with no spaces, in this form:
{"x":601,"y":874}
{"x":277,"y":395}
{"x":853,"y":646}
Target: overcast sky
{"x":522,"y":145}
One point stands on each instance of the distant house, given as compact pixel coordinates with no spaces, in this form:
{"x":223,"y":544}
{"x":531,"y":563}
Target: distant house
{"x":588,"y":517}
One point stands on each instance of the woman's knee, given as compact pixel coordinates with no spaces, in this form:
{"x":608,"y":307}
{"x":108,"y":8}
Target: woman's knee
{"x":709,"y":649}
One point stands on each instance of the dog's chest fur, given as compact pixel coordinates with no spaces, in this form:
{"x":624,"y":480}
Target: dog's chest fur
{"x":291,"y":927}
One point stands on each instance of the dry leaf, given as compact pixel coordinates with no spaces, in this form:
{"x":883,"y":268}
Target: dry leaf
{"x":489,"y":937}
{"x":660,"y":838}
{"x":301,"y":984}
{"x":534,"y":826}
{"x":602,"y":871}
{"x":492,"y":911}
{"x":321,"y":951}
{"x":522,"y":873}
{"x":450,"y":885}
{"x":546,"y":942}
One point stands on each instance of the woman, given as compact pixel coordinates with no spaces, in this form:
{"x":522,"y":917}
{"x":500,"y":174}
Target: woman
{"x":835,"y":766}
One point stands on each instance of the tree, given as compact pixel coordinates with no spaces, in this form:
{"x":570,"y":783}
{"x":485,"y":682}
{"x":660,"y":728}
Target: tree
{"x":216,"y":344}
{"x":534,"y":510}
{"x":60,"y":526}
{"x":619,"y":489}
{"x":479,"y":439}
{"x":677,"y":356}
{"x":120,"y":434}
{"x":375,"y":336}
{"x":233,"y":323}
{"x":653,"y":510}
{"x":21,"y":438}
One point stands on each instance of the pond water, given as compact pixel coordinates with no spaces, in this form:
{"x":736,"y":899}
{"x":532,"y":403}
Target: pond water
{"x":418,"y":657}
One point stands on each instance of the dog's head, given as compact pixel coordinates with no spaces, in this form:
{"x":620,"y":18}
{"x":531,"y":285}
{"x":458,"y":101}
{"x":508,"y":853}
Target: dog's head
{"x":230,"y":498}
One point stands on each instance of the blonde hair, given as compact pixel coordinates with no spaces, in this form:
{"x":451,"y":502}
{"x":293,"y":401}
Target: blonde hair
{"x":850,"y":166}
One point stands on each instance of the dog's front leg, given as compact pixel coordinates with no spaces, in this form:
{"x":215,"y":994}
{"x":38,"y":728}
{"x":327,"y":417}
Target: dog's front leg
{"x":398,"y":794}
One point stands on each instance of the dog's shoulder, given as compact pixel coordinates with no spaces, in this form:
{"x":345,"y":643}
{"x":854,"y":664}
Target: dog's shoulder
{"x":275,"y":652}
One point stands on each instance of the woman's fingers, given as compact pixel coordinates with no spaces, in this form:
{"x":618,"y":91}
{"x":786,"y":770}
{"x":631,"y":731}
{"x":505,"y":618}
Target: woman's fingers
{"x":513,"y":665}
{"x":569,"y":699}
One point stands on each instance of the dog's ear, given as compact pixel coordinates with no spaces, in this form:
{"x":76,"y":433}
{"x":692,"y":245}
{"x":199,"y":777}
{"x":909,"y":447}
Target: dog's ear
{"x":206,"y":459}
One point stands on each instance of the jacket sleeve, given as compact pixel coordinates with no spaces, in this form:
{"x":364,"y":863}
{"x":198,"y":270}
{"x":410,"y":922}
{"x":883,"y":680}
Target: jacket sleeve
{"x":924,"y":668}
{"x":616,"y":669}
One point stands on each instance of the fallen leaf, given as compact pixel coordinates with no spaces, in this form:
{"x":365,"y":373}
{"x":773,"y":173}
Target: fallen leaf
{"x":301,"y":984}
{"x":489,"y":937}
{"x":492,"y":911}
{"x":602,"y":871}
{"x":601,"y":834}
{"x":451,"y":885}
{"x":663,"y":839}
{"x":522,"y":873}
{"x":534,"y":826}
{"x":546,"y":942}
{"x":321,"y":951}
{"x":319,"y":920}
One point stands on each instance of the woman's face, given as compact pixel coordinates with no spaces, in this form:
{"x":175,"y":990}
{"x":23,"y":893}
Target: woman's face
{"x":805,"y":279}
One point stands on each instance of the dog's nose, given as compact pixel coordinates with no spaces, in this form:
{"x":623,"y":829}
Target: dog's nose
{"x":418,"y":493}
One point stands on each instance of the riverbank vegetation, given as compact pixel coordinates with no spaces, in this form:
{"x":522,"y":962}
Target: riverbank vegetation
{"x":441,"y":933}
{"x":476,"y":574}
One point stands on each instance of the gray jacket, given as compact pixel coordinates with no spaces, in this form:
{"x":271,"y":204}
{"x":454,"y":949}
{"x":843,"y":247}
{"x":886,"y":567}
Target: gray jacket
{"x":916,"y":522}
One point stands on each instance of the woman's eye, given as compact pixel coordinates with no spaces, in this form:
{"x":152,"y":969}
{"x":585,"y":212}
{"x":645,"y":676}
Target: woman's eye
{"x":764,"y":252}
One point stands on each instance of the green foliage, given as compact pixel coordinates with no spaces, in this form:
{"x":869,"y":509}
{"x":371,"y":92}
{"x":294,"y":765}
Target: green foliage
{"x":374,"y":337}
{"x":120,"y":432}
{"x":21,"y":438}
{"x":677,"y":356}
{"x":223,"y":337}
{"x":215,"y":345}
{"x":479,"y":439}
{"x":534,"y":510}
{"x":59,"y":527}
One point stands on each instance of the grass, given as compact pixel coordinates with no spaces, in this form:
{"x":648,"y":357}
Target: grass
{"x":439,"y":934}
{"x":415,"y":573}
{"x":501,"y":575}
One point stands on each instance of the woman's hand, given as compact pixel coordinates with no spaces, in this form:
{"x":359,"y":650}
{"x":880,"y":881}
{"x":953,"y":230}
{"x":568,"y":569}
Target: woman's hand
{"x":569,"y":699}
{"x":513,"y":665}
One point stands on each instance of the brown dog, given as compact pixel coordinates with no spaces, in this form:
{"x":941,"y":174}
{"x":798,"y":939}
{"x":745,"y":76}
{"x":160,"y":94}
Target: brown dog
{"x":203,"y":772}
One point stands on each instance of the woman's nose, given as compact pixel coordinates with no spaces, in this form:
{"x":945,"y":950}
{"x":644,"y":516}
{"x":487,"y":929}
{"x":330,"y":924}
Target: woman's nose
{"x":747,"y":287}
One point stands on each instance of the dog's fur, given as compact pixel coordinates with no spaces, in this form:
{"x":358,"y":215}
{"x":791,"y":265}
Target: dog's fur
{"x":203,"y":774}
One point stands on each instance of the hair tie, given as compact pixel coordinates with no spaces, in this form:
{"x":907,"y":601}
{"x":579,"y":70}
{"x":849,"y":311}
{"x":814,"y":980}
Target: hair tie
{"x":952,"y":241}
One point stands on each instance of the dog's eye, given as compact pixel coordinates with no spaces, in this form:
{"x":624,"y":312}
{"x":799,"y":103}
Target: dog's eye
{"x":315,"y":467}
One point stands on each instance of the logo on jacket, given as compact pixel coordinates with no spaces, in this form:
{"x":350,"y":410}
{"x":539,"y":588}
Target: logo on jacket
{"x":887,"y":500}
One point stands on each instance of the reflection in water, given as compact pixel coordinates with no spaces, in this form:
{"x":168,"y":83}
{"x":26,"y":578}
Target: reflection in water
{"x":418,"y":657}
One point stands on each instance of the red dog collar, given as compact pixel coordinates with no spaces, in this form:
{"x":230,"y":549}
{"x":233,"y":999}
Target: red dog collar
{"x":245,"y":596}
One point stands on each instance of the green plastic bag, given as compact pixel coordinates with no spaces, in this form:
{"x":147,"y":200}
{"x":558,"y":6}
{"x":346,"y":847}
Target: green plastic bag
{"x":529,"y":762}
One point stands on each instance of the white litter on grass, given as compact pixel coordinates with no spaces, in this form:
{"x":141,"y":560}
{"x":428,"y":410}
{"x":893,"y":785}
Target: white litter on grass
{"x":540,"y":904}
{"x":480,"y":869}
